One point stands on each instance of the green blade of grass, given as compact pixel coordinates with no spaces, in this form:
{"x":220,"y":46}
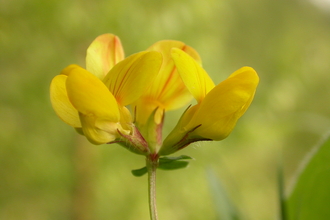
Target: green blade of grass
{"x":310,"y":196}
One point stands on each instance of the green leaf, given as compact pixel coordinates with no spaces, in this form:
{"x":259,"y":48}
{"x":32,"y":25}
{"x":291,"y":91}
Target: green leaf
{"x":166,"y":163}
{"x":310,"y":197}
{"x":182,"y":157}
{"x":173,"y":163}
{"x":140,"y":172}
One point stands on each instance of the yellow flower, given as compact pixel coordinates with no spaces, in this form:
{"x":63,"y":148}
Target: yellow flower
{"x":164,"y":77}
{"x":93,"y":101}
{"x":218,"y":107}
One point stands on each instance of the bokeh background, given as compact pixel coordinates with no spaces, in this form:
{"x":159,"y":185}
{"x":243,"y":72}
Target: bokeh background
{"x":48,"y":171}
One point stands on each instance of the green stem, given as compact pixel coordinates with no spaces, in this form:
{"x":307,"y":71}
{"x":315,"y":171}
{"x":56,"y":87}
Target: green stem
{"x":152,"y":163}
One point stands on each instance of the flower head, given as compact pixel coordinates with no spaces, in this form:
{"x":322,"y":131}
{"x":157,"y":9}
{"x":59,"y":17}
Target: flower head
{"x":165,"y":77}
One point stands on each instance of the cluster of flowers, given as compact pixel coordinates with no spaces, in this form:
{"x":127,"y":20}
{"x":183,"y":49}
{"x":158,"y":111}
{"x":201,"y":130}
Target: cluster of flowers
{"x":96,"y":100}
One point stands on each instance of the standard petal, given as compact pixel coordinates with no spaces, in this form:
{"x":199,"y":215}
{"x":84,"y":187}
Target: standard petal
{"x":225,"y":104}
{"x":193,"y":75}
{"x":61,"y":103}
{"x":90,"y":96}
{"x":103,"y":53}
{"x":165,"y":46}
{"x":167,"y":92}
{"x":129,"y":78}
{"x":168,"y":88}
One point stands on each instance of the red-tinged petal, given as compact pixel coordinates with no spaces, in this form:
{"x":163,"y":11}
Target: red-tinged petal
{"x":61,"y":103}
{"x":129,"y":78}
{"x":103,"y":53}
{"x":168,"y":88}
{"x":193,"y":75}
{"x":167,"y":92}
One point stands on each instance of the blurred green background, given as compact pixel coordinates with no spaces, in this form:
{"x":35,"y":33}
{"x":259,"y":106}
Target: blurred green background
{"x":48,"y":171}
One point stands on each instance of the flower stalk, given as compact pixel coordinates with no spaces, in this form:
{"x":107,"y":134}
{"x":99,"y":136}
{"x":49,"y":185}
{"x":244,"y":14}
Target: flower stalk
{"x":152,"y":164}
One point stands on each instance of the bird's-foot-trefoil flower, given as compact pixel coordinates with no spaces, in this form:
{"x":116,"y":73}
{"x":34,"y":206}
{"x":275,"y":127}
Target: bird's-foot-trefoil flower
{"x":164,"y":77}
{"x":218,"y":107}
{"x":94,"y":102}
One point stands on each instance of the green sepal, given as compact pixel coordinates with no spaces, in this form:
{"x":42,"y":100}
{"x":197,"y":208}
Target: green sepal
{"x":173,"y":163}
{"x":152,"y":132}
{"x":140,"y":172}
{"x":134,"y":142}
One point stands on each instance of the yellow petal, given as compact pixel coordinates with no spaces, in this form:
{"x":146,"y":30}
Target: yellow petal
{"x":98,"y":131}
{"x":103,"y":53}
{"x":193,"y":75}
{"x":225,"y":104}
{"x":168,"y":88}
{"x":167,"y":92}
{"x":165,"y":46}
{"x":129,"y":78}
{"x":60,"y":102}
{"x":90,"y":96}
{"x":67,"y":70}
{"x":125,"y":118}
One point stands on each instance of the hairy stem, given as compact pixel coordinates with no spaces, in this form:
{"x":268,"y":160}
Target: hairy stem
{"x":152,"y":163}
